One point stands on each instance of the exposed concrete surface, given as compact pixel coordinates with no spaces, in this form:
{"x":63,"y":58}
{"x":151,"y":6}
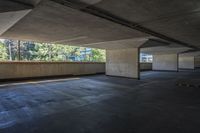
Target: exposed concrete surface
{"x":15,"y":70}
{"x":145,"y":66}
{"x":10,"y":70}
{"x":167,"y":62}
{"x":119,"y":44}
{"x":13,"y":5}
{"x":122,"y":62}
{"x":54,"y":22}
{"x":197,"y":62}
{"x":8,"y":19}
{"x":170,"y":49}
{"x":175,"y":21}
{"x":186,"y":62}
{"x":100,"y":104}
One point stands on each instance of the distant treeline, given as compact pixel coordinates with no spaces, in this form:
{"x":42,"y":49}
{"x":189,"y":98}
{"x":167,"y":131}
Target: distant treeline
{"x":31,"y":51}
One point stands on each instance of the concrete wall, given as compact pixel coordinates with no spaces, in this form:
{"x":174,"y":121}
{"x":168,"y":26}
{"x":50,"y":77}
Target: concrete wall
{"x":122,"y":62}
{"x":145,"y":66}
{"x":166,"y":62}
{"x":186,"y":62}
{"x":197,"y":62}
{"x":9,"y":70}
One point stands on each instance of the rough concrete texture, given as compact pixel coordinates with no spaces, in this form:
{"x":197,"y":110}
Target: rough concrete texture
{"x":145,"y":66}
{"x":186,"y":62}
{"x":170,"y":49}
{"x":8,"y":19}
{"x":122,"y":62}
{"x":14,"y":70}
{"x":57,"y":23}
{"x":175,"y":21}
{"x":13,"y":5}
{"x":197,"y":62}
{"x":168,"y":62}
{"x":161,"y":102}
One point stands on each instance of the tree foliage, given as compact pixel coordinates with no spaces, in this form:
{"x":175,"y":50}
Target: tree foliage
{"x":30,"y":51}
{"x":3,"y":52}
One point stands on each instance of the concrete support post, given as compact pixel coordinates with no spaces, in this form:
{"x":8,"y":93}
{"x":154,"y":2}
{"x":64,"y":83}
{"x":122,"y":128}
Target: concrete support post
{"x":197,"y":62}
{"x":123,"y":63}
{"x":165,"y":62}
{"x":186,"y":62}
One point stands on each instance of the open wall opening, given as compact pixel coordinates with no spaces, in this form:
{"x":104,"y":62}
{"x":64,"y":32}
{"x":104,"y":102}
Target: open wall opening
{"x":146,"y":62}
{"x":15,"y":50}
{"x":27,"y":59}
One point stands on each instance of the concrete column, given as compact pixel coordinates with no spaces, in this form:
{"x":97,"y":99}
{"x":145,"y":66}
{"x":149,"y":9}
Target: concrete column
{"x":166,"y":62}
{"x":123,"y":63}
{"x":197,"y":62}
{"x":186,"y":62}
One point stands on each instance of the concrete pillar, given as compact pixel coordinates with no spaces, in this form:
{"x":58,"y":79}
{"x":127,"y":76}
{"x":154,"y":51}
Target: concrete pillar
{"x":123,"y":63}
{"x":166,"y":62}
{"x":197,"y":62}
{"x":186,"y":62}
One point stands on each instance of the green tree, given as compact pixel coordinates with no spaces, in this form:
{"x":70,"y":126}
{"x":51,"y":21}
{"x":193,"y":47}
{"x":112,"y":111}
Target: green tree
{"x":31,"y":51}
{"x":3,"y":52}
{"x":98,"y":55}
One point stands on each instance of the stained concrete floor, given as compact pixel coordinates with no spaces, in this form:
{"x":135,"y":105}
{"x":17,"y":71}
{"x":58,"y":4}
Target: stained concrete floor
{"x":161,"y":102}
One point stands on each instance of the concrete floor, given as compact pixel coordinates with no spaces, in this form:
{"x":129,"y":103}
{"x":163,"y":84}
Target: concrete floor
{"x":162,"y":102}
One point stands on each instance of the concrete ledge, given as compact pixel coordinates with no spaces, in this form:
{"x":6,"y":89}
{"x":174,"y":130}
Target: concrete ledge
{"x":145,"y":66}
{"x":24,"y":70}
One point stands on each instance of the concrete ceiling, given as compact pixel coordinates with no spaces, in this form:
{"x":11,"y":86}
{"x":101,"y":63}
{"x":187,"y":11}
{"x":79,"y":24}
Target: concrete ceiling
{"x":8,"y":19}
{"x":105,"y":23}
{"x":52,"y":22}
{"x":11,"y":5}
{"x":178,"y":19}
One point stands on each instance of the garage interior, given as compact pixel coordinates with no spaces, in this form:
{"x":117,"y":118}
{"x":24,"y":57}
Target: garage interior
{"x":115,"y":96}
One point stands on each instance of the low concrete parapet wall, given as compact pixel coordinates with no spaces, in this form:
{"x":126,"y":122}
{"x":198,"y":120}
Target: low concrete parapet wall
{"x":15,"y":70}
{"x":145,"y":66}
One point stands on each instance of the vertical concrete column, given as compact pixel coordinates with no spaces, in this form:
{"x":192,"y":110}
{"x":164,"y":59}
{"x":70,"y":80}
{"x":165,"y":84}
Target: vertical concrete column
{"x":197,"y":62}
{"x":186,"y":62}
{"x":123,"y":63}
{"x":166,"y":62}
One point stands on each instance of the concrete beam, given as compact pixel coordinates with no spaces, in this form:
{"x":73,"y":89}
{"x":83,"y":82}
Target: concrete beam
{"x":171,"y":49}
{"x":197,"y":62}
{"x":13,"y":5}
{"x":8,"y":19}
{"x":123,"y":63}
{"x":54,"y":22}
